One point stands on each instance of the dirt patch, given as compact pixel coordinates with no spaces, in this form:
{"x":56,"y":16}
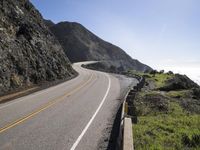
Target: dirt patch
{"x":11,"y":96}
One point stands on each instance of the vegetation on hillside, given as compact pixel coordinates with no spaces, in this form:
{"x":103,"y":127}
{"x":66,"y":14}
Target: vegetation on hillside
{"x":168,"y":111}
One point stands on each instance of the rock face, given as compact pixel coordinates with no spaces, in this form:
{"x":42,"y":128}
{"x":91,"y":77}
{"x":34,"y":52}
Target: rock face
{"x":179,"y":82}
{"x":29,"y":53}
{"x":81,"y":45}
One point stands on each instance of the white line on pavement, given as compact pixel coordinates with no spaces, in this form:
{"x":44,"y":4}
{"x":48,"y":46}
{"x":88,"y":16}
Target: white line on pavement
{"x":91,"y":120}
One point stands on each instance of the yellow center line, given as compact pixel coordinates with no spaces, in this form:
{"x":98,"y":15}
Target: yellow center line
{"x":48,"y":105}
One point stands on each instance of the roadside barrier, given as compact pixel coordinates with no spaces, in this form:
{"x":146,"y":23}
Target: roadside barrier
{"x":128,"y":116}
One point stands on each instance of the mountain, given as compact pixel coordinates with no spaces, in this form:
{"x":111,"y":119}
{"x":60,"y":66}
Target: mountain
{"x":29,"y":52}
{"x":49,"y":23}
{"x":82,"y":45}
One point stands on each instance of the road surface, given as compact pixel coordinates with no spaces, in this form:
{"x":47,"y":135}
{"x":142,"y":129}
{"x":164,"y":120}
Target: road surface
{"x":77,"y":114}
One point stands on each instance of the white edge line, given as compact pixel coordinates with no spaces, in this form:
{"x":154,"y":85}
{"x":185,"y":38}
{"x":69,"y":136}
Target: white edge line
{"x":91,"y":120}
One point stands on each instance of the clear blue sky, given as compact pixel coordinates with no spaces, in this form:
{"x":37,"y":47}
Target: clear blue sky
{"x":160,"y":33}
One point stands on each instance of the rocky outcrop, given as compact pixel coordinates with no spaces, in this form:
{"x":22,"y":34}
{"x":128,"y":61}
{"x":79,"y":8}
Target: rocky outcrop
{"x":179,"y":82}
{"x":196,"y":93}
{"x":29,"y":53}
{"x":82,"y":45}
{"x":49,"y":23}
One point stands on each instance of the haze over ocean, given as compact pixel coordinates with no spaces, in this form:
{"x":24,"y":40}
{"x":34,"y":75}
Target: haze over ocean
{"x":191,"y":69}
{"x":162,"y":34}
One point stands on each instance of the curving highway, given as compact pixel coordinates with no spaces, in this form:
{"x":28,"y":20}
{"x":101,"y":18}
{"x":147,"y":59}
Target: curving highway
{"x":75,"y":115}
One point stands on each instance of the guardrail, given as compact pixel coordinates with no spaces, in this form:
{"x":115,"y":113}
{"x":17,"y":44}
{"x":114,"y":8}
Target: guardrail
{"x":128,"y":115}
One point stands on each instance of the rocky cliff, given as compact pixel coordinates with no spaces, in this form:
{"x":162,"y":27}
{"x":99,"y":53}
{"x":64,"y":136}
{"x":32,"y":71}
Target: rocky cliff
{"x":29,"y":53}
{"x":80,"y":45}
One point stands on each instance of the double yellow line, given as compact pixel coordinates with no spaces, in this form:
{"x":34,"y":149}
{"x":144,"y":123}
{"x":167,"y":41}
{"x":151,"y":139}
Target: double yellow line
{"x":48,"y":105}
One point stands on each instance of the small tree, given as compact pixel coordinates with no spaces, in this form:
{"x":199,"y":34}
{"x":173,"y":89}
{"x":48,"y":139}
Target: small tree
{"x":153,"y":72}
{"x":162,"y":71}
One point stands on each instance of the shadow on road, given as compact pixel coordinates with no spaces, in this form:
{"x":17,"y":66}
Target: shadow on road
{"x":113,"y":142}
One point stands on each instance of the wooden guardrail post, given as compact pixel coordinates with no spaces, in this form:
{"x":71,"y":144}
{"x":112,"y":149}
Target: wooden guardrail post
{"x":128,"y":135}
{"x":128,"y":115}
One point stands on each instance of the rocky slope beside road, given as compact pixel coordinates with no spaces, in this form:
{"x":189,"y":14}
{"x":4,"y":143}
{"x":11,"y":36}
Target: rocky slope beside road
{"x":82,"y":45}
{"x":29,"y":53}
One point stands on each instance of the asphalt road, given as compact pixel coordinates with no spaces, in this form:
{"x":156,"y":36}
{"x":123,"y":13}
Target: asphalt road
{"x":77,"y":114}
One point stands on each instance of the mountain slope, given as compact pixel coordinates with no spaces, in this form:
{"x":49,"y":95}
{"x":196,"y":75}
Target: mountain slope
{"x":29,"y":53}
{"x":80,"y":45}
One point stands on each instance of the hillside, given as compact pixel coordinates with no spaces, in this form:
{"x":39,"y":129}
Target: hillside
{"x":29,"y":53}
{"x":81,"y":45}
{"x":168,"y":112}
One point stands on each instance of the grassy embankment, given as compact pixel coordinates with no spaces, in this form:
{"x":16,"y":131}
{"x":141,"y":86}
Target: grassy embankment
{"x":169,"y":119}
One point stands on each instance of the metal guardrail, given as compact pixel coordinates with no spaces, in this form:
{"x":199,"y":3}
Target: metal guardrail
{"x":125,"y":140}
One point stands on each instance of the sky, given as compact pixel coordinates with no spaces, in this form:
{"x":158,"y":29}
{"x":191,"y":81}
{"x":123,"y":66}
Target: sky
{"x":165,"y":34}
